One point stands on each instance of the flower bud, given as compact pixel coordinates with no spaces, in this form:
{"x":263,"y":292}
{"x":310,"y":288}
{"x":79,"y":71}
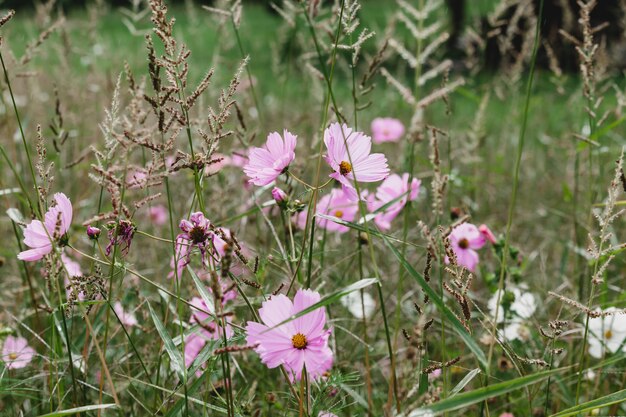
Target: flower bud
{"x":487,"y":233}
{"x":280,"y":197}
{"x":93,"y":232}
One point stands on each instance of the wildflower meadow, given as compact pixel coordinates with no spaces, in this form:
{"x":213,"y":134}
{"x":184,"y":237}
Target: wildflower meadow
{"x":313,"y":208}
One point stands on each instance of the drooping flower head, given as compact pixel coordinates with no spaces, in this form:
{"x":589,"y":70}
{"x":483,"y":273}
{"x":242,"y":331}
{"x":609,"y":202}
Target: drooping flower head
{"x":392,"y":194}
{"x":386,"y":129}
{"x":127,"y":319}
{"x":295,"y":344}
{"x":16,"y":353}
{"x":120,"y":234}
{"x":607,"y":333}
{"x":39,"y":236}
{"x":348,"y":154}
{"x":338,"y":204}
{"x":465,"y":240}
{"x":267,"y":163}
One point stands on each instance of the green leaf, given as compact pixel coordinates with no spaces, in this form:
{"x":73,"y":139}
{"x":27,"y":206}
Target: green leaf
{"x":329,"y":299}
{"x":466,"y":379}
{"x":206,"y":295}
{"x":175,"y":356}
{"x":464,"y":400}
{"x":435,"y":298}
{"x":79,"y":410}
{"x":607,"y":400}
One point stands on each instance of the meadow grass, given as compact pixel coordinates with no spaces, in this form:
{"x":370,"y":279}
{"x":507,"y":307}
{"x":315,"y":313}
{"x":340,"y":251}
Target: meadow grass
{"x":527,"y":151}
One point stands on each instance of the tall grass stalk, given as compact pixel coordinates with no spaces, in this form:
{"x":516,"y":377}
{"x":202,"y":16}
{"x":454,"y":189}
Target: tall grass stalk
{"x":513,"y":201}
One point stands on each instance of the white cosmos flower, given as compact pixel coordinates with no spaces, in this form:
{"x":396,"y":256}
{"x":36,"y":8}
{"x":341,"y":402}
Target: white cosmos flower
{"x":352,"y":302}
{"x":607,"y":333}
{"x":520,"y":310}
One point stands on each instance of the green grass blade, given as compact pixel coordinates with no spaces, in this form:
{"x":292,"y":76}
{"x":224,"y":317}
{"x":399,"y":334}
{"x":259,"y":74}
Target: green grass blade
{"x":207,"y":297}
{"x":79,"y":410}
{"x":174,"y":354}
{"x":466,"y":399}
{"x":607,"y":400}
{"x":466,"y":380}
{"x":331,"y":298}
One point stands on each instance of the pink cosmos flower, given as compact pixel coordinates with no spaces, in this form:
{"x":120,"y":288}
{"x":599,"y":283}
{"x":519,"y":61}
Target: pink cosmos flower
{"x":465,"y":240}
{"x":193,"y":346}
{"x":349,"y":155}
{"x":38,"y":236}
{"x":158,"y":214}
{"x":73,"y":270}
{"x":208,"y":329}
{"x":16,"y":353}
{"x":506,"y":415}
{"x":267,"y":163}
{"x":326,"y":414}
{"x":298,"y":343}
{"x":487,"y":233}
{"x":386,"y":129}
{"x":338,"y":204}
{"x":127,"y":319}
{"x":394,"y":189}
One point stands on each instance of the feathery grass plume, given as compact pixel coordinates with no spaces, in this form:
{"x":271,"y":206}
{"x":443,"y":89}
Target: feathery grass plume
{"x":44,"y":169}
{"x":440,"y":180}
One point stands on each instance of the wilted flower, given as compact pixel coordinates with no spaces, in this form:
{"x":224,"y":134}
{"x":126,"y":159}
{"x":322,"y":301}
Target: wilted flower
{"x":40,"y":236}
{"x":392,"y":193}
{"x":386,"y":129}
{"x":348,"y":154}
{"x":16,"y":353}
{"x":607,"y":333}
{"x":326,"y":414}
{"x":297,"y":343}
{"x":120,"y":234}
{"x":267,"y":163}
{"x":93,"y":232}
{"x":465,"y":240}
{"x":158,"y":214}
{"x":127,"y":319}
{"x":196,"y":233}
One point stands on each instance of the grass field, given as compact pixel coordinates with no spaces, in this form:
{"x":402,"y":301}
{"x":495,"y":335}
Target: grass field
{"x":139,"y":140}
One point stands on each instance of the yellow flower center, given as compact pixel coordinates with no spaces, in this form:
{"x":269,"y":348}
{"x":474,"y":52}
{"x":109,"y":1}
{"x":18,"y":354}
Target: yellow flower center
{"x":463,"y":243}
{"x":608,"y":334}
{"x":345,"y":168}
{"x":12,"y":356}
{"x":299,"y":341}
{"x":339,"y":213}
